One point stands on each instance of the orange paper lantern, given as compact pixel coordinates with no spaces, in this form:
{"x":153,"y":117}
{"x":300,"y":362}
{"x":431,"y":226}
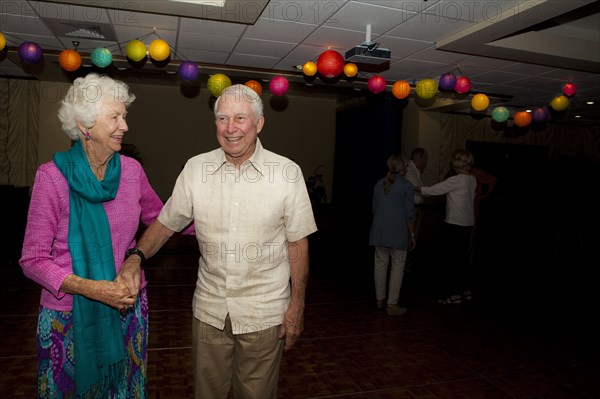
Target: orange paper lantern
{"x":522,"y":119}
{"x":159,"y":50}
{"x":401,"y":89}
{"x":254,"y":85}
{"x":350,"y":70}
{"x":309,"y":69}
{"x":2,"y":41}
{"x":69,"y":60}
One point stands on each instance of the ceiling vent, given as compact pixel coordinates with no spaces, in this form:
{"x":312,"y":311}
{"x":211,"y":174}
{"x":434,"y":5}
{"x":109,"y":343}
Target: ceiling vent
{"x":81,"y":30}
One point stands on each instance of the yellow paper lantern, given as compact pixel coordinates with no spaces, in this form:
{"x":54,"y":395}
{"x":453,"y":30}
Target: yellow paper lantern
{"x":480,"y":101}
{"x":350,"y":70}
{"x":309,"y":69}
{"x":559,"y":103}
{"x":426,"y":88}
{"x":2,"y":41}
{"x":136,"y":50}
{"x":69,"y":60}
{"x":217,"y":83}
{"x":159,"y":50}
{"x":401,"y":89}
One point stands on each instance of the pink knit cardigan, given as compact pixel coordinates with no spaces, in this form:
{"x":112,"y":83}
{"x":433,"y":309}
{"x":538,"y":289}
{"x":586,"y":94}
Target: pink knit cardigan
{"x":46,"y":258}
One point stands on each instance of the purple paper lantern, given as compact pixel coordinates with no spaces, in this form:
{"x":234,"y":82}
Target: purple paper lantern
{"x":447,"y":81}
{"x":279,"y":85}
{"x":30,"y":52}
{"x":540,"y":115}
{"x":188,"y":71}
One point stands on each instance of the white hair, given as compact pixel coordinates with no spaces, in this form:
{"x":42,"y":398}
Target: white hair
{"x":246,"y":93}
{"x":83,"y":101}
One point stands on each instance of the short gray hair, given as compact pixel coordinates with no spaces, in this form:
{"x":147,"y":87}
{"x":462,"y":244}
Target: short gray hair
{"x":83,"y":100}
{"x":245,"y":93}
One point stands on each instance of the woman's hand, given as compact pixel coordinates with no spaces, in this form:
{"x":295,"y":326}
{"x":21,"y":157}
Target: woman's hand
{"x":130,"y":275}
{"x":112,"y":293}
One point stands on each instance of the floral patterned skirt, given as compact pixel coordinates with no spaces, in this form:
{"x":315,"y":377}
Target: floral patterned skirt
{"x":55,"y":347}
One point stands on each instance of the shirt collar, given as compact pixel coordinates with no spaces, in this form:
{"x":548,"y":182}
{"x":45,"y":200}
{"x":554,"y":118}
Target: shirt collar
{"x":255,"y":160}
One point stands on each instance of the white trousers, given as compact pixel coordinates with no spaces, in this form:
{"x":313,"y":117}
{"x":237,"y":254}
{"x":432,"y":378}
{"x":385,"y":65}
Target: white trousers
{"x":382,"y":261}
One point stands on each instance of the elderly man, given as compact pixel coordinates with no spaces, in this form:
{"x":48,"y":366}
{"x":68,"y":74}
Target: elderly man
{"x":252,"y":216}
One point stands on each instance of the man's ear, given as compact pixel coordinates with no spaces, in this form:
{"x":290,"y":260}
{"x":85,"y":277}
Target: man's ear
{"x":260,"y":124}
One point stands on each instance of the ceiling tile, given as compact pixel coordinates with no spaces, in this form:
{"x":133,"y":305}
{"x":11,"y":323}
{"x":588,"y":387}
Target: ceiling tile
{"x":14,"y":24}
{"x":427,"y":27}
{"x":212,"y":27}
{"x":283,"y":31}
{"x":203,"y":41}
{"x":401,"y":48}
{"x":335,"y":38}
{"x":143,"y":20}
{"x":253,"y":61}
{"x":263,"y":47}
{"x":69,"y":12}
{"x":313,"y":12}
{"x":204,"y":56}
{"x":355,"y":16}
{"x":433,"y":54}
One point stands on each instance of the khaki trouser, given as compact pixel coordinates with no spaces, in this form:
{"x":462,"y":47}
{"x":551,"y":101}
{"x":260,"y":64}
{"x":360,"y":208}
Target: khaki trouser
{"x":246,"y":364}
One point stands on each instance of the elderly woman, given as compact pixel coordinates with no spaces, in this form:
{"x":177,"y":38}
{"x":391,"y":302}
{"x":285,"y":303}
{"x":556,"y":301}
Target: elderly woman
{"x":85,"y":210}
{"x":460,"y":218}
{"x":392,"y":232}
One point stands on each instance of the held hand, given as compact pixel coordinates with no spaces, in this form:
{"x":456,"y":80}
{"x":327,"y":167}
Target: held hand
{"x":130,"y":275}
{"x":412,"y":243}
{"x":292,"y":327}
{"x":112,"y":293}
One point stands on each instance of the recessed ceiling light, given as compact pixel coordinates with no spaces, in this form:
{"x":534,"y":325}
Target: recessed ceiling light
{"x":590,"y":103}
{"x":577,"y":116}
{"x":528,"y":110}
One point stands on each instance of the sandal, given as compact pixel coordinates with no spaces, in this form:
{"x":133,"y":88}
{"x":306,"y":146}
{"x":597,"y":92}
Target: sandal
{"x":466,"y":296}
{"x":451,"y":300}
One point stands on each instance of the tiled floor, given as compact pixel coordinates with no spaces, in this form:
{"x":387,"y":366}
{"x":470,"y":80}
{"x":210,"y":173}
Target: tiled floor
{"x":488,"y":349}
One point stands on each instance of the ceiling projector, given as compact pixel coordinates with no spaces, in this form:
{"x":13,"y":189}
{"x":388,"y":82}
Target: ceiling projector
{"x":368,"y":53}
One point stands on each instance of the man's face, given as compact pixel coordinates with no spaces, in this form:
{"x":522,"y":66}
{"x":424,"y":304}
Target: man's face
{"x":237,"y":127}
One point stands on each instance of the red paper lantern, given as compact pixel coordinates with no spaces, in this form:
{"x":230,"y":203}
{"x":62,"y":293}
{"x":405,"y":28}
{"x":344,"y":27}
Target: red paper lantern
{"x":522,"y":119}
{"x":69,"y":60}
{"x":401,"y":89}
{"x":279,"y":85}
{"x":569,"y":89}
{"x":376,"y":84}
{"x":463,"y":85}
{"x":330,"y":64}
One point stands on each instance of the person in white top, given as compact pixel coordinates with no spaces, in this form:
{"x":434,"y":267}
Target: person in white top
{"x":460,"y":218}
{"x":414,"y":169}
{"x":252,"y":217}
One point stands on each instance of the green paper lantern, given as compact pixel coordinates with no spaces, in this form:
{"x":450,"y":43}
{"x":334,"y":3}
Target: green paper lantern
{"x":101,"y":57}
{"x":500,"y":114}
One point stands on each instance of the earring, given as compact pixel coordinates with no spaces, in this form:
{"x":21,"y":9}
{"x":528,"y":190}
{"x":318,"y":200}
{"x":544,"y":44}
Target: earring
{"x":87,"y":135}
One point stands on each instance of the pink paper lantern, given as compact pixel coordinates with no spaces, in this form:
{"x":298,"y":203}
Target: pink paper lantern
{"x":447,"y":81}
{"x":279,"y":85}
{"x":330,"y":64}
{"x":30,"y":52}
{"x":376,"y":84}
{"x":462,"y":85}
{"x":569,"y":89}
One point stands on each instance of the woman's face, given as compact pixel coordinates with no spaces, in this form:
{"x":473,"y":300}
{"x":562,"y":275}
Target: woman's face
{"x":107,"y":134}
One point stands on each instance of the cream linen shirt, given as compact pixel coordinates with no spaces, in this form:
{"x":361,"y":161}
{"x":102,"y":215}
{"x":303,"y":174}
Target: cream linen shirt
{"x":413,"y":175}
{"x":244,"y":220}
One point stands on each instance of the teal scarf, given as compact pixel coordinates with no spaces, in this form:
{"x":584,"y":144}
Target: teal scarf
{"x":98,"y":336}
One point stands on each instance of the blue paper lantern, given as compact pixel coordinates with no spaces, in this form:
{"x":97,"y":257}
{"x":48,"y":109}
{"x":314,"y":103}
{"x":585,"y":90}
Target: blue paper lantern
{"x":30,"y":52}
{"x":500,"y":114}
{"x":188,"y":71}
{"x":447,"y":81}
{"x":101,"y":57}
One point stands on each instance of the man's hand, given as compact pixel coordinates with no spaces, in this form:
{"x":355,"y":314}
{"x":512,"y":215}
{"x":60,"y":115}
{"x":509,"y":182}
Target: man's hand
{"x":292,"y":327}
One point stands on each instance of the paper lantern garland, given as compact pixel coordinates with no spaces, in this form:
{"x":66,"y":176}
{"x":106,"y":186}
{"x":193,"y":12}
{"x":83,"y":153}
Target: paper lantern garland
{"x":30,"y":52}
{"x":540,"y":115}
{"x":255,"y":85}
{"x":309,"y":69}
{"x":136,"y":50}
{"x":462,"y":85}
{"x":376,"y":84}
{"x":500,"y":114}
{"x":101,"y":57}
{"x":69,"y":60}
{"x":279,"y":85}
{"x":426,"y":88}
{"x":2,"y":41}
{"x":522,"y":119}
{"x":350,"y":70}
{"x":447,"y":81}
{"x":401,"y":89}
{"x":559,"y":103}
{"x":188,"y":71}
{"x":217,"y":83}
{"x":159,"y":50}
{"x":330,"y":64}
{"x":480,"y":102}
{"x":569,"y":89}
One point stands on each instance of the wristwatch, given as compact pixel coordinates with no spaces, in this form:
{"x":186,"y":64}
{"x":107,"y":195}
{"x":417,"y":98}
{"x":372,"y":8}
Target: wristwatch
{"x":135,"y":251}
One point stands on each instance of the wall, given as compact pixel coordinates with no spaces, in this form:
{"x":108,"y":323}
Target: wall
{"x":168,"y":126}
